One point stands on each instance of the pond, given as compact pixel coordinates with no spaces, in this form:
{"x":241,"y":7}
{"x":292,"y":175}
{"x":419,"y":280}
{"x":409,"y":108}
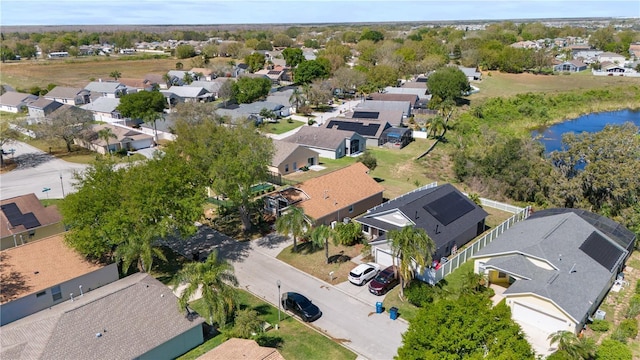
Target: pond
{"x":551,"y":137}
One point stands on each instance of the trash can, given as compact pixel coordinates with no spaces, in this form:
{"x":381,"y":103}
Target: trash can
{"x":393,"y":313}
{"x":378,"y":307}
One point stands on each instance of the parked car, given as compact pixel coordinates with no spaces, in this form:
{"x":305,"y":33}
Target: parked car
{"x":363,"y":273}
{"x":301,"y":306}
{"x":384,"y":281}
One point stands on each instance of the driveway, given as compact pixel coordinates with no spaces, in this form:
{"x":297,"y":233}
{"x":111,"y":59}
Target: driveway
{"x":348,"y":319}
{"x":37,"y":171}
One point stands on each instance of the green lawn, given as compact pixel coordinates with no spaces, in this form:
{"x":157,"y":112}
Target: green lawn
{"x":298,"y":341}
{"x":282,"y":126}
{"x":78,"y":154}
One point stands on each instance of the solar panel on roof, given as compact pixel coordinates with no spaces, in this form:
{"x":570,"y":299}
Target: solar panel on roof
{"x":13,"y":214}
{"x":360,"y":128}
{"x":273,"y":72}
{"x":29,"y":221}
{"x":449,"y":208}
{"x":366,"y":114}
{"x":602,"y":251}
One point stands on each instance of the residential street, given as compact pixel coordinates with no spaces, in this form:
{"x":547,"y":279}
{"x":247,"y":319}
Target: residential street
{"x":346,"y":318}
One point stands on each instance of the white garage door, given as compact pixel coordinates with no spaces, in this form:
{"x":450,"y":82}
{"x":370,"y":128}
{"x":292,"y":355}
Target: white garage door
{"x":539,"y":319}
{"x":383,"y":258}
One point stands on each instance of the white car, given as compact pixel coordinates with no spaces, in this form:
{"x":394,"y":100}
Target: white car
{"x":363,"y":273}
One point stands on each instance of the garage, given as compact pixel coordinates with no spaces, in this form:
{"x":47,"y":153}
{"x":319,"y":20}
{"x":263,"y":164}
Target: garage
{"x":382,"y":257}
{"x":528,"y":315}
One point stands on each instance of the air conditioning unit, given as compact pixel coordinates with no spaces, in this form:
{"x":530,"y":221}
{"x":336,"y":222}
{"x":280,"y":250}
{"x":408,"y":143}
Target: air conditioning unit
{"x":346,"y":220}
{"x":600,"y":315}
{"x":333,"y":224}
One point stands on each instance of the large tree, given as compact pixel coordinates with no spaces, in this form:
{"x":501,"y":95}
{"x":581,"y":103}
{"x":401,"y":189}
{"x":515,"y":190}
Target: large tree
{"x":464,"y":328}
{"x":185,"y":51}
{"x":293,"y":222}
{"x":66,"y":124}
{"x":215,"y":279}
{"x":147,"y":106}
{"x":293,"y":56}
{"x":448,"y":83}
{"x":410,"y":245}
{"x":309,"y":70}
{"x":255,"y":61}
{"x":247,"y":90}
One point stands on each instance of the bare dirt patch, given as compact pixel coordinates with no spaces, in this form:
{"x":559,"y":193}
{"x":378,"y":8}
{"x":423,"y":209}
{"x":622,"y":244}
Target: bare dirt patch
{"x":313,"y":261}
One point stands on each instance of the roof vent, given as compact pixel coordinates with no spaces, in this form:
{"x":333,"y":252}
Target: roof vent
{"x":98,"y":335}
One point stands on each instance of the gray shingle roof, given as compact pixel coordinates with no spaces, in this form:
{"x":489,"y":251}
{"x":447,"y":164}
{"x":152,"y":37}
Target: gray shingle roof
{"x":404,"y":106}
{"x":12,"y":98}
{"x":577,"y":278}
{"x":43,"y":103}
{"x":108,"y":87}
{"x":282,"y":150}
{"x":63,"y":92}
{"x":318,"y":137}
{"x":186,"y":91}
{"x":102,"y":104}
{"x":133,"y":315}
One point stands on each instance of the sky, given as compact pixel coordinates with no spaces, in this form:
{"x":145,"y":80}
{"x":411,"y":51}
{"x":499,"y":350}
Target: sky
{"x":213,"y":12}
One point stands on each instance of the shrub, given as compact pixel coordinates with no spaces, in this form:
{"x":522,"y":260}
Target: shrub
{"x":629,"y":328}
{"x":290,"y":120}
{"x":634,"y":307}
{"x":311,"y":122}
{"x":419,"y":293}
{"x":600,"y":325}
{"x":638,"y":286}
{"x":613,"y":350}
{"x":619,"y":335}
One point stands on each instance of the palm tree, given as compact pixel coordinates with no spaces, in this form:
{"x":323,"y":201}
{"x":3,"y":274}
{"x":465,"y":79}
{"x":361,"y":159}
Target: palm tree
{"x":571,"y":345}
{"x":106,"y":134}
{"x":115,"y":75}
{"x":293,"y":222}
{"x":437,"y":126}
{"x":187,"y":78}
{"x":216,"y":280}
{"x":167,"y":79}
{"x":297,"y":98}
{"x":139,"y":250}
{"x":410,"y":245}
{"x":320,"y":237}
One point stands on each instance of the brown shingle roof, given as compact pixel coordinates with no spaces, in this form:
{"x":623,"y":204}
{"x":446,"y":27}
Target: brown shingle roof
{"x":64,"y":92}
{"x":337,"y":190}
{"x":283,"y":150}
{"x":319,"y":137}
{"x":28,"y":204}
{"x":120,"y":133}
{"x":39,"y":265}
{"x":245,"y":349}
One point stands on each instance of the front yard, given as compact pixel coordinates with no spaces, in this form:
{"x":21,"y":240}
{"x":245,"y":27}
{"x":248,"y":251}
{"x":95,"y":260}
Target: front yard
{"x":313,"y":261}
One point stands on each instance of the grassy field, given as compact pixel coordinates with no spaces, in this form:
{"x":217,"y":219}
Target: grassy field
{"x":298,"y":340}
{"x":496,"y":84}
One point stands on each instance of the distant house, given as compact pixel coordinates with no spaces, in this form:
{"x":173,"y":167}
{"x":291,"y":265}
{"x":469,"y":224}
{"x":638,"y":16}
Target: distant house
{"x":275,"y":75}
{"x":125,"y":138}
{"x":14,"y":102}
{"x":449,"y":218}
{"x":176,"y":77}
{"x":570,"y":66}
{"x":213,"y":87}
{"x":69,"y":95}
{"x":472,"y":74}
{"x":204,"y":74}
{"x":333,"y":197}
{"x":393,"y":117}
{"x":136,"y":317}
{"x":156,"y":79}
{"x":185,"y":94}
{"x":43,"y":273}
{"x":104,"y":109}
{"x":420,"y":92}
{"x":252,"y":110}
{"x":404,"y":106}
{"x":411,"y":98}
{"x":611,"y":57}
{"x":41,"y":108}
{"x":245,"y":349}
{"x":370,"y":130}
{"x":610,"y":67}
{"x":556,"y":267}
{"x":134,"y":85}
{"x":24,"y":219}
{"x":634,"y":50}
{"x":329,"y":143}
{"x":290,"y":157}
{"x":110,"y":89}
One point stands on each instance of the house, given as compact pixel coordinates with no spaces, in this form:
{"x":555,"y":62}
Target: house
{"x":528,"y":44}
{"x":110,"y":89}
{"x":587,"y":56}
{"x":43,"y":273}
{"x":411,"y":98}
{"x":570,"y":66}
{"x":634,"y":50}
{"x":176,"y":77}
{"x":245,"y":349}
{"x":556,"y":267}
{"x":14,"y":102}
{"x":611,"y":57}
{"x":370,"y":130}
{"x":213,"y":87}
{"x":472,"y":74}
{"x":104,"y":109}
{"x":186,"y":94}
{"x":331,"y":197}
{"x":329,"y":143}
{"x":252,"y":110}
{"x":69,"y":95}
{"x":156,"y":79}
{"x":136,"y":317}
{"x":125,"y":138}
{"x":24,"y":219}
{"x":41,"y":108}
{"x":449,"y":217}
{"x":275,"y":74}
{"x":134,"y":85}
{"x":420,"y":92}
{"x":289,"y":157}
{"x":610,"y":67}
{"x":204,"y":74}
{"x":404,"y":106}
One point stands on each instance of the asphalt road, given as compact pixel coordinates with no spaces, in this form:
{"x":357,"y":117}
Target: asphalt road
{"x":36,"y":172}
{"x":346,"y":317}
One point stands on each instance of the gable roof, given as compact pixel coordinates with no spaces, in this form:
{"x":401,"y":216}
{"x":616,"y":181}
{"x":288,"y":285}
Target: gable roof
{"x":136,"y":83}
{"x":319,"y":137}
{"x":582,"y":259}
{"x":393,"y":117}
{"x":404,"y":106}
{"x":245,"y":349}
{"x":109,"y":87}
{"x":43,"y":103}
{"x":121,"y":134}
{"x":210,"y":86}
{"x":337,"y":190}
{"x":186,"y":91}
{"x":20,"y":213}
{"x":64,"y":92}
{"x":121,"y":320}
{"x":442,"y":211}
{"x":412,"y":98}
{"x":285,"y":149}
{"x":102,"y":104}
{"x":12,"y":98}
{"x":39,"y":265}
{"x":420,"y":92}
{"x":369,"y":129}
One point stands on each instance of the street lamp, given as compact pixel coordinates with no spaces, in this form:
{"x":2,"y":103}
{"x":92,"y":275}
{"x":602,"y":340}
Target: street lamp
{"x":62,"y":185}
{"x":278,"y":282}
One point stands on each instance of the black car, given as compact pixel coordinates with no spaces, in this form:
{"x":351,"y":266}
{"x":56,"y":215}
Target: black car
{"x":301,"y":306}
{"x":384,"y":281}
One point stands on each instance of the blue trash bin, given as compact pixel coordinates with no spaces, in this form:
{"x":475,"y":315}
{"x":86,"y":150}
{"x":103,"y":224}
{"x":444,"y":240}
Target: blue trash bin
{"x":378,"y":307}
{"x":393,"y":313}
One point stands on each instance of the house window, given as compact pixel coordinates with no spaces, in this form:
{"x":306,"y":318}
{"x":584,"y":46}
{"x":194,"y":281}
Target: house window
{"x":381,"y":232}
{"x":286,"y":168}
{"x":32,"y":233}
{"x":41,"y":293}
{"x":365,"y":228}
{"x":501,"y":275}
{"x":351,"y":209}
{"x":56,"y":293}
{"x":295,"y":165}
